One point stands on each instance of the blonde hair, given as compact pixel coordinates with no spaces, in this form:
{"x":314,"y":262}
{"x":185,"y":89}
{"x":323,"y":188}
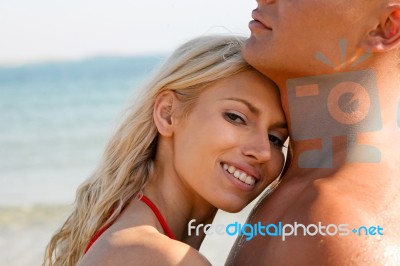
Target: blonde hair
{"x":126,"y":164}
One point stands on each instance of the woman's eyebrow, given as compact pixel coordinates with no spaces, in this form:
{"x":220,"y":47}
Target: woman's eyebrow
{"x":251,"y":107}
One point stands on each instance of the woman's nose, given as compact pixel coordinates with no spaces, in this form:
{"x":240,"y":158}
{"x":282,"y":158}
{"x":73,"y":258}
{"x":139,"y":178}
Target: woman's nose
{"x":259,"y":150}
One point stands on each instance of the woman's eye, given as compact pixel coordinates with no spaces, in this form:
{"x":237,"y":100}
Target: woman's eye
{"x":276,"y":141}
{"x":232,"y":117}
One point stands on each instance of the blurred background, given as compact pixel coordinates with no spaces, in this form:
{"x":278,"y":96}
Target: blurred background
{"x":67,"y":70}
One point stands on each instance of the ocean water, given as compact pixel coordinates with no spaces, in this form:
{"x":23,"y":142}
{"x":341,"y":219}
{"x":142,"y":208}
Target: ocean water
{"x":55,"y":119}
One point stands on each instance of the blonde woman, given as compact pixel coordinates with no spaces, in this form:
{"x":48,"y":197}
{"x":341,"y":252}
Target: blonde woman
{"x":207,"y":135}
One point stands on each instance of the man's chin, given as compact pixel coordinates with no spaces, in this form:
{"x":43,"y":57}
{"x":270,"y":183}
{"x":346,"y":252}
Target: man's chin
{"x":255,"y":56}
{"x":249,"y":51}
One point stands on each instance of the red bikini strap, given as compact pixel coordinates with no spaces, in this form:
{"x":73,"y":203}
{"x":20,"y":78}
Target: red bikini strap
{"x":155,"y":211}
{"x":159,"y":216}
{"x":95,"y":237}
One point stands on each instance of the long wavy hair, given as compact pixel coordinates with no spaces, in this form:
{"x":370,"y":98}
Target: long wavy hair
{"x":127,"y":162}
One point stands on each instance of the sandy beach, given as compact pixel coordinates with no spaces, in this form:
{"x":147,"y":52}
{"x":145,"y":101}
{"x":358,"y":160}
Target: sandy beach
{"x":25,"y":232}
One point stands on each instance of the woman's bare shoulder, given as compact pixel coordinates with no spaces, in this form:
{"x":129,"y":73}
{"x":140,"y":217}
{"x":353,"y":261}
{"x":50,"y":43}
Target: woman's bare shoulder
{"x":142,"y":245}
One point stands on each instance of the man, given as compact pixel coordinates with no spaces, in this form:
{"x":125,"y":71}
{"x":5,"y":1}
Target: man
{"x":337,"y":65}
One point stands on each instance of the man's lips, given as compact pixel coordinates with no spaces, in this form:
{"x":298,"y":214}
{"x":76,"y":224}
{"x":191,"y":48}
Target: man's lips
{"x":257,"y":21}
{"x":255,"y":24}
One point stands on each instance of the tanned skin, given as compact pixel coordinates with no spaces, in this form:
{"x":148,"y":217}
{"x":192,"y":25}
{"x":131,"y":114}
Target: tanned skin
{"x":352,"y":175}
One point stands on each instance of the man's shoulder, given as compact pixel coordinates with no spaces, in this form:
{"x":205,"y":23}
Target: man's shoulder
{"x":342,"y":223}
{"x":323,"y":222}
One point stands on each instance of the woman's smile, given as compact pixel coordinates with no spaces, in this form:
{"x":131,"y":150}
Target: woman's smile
{"x":239,"y":178}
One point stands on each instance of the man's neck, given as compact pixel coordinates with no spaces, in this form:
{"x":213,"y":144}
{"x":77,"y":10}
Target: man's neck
{"x":344,"y":119}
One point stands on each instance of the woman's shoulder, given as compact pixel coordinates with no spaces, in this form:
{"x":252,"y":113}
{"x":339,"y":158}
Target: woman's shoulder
{"x":142,"y":245}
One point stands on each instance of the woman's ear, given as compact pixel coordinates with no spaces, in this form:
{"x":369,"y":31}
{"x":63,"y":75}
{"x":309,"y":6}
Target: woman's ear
{"x":165,"y":104}
{"x":386,"y":35}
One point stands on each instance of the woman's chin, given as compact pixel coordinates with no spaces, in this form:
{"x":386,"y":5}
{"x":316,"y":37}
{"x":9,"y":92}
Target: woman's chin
{"x":233,"y":208}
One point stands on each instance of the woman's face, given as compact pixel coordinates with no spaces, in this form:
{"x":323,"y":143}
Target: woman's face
{"x":229,"y":147}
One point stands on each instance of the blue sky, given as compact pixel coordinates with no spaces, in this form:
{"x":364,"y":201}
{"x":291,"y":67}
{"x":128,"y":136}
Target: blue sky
{"x":42,"y":30}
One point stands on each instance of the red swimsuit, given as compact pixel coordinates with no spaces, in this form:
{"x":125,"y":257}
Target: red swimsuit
{"x":155,"y":210}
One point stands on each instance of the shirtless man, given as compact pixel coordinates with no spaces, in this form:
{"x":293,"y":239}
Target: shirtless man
{"x":337,"y":63}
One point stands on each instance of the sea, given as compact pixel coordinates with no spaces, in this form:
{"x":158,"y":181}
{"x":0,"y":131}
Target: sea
{"x":55,"y":119}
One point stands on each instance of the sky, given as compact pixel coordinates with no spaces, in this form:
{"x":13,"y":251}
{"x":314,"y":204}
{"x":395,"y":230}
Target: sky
{"x":48,"y":30}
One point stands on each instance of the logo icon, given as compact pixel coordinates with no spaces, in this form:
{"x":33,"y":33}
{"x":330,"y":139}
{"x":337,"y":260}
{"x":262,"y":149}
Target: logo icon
{"x":343,"y":104}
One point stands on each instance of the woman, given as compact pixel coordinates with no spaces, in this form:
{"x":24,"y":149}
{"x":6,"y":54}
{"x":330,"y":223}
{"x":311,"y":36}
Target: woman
{"x":207,"y":135}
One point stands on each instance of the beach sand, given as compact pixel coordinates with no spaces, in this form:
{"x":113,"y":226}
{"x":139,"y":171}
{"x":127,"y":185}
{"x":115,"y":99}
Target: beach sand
{"x":25,"y":232}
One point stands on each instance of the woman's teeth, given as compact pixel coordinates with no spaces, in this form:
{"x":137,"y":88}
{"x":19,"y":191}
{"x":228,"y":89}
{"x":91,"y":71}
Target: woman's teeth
{"x":242,"y":176}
